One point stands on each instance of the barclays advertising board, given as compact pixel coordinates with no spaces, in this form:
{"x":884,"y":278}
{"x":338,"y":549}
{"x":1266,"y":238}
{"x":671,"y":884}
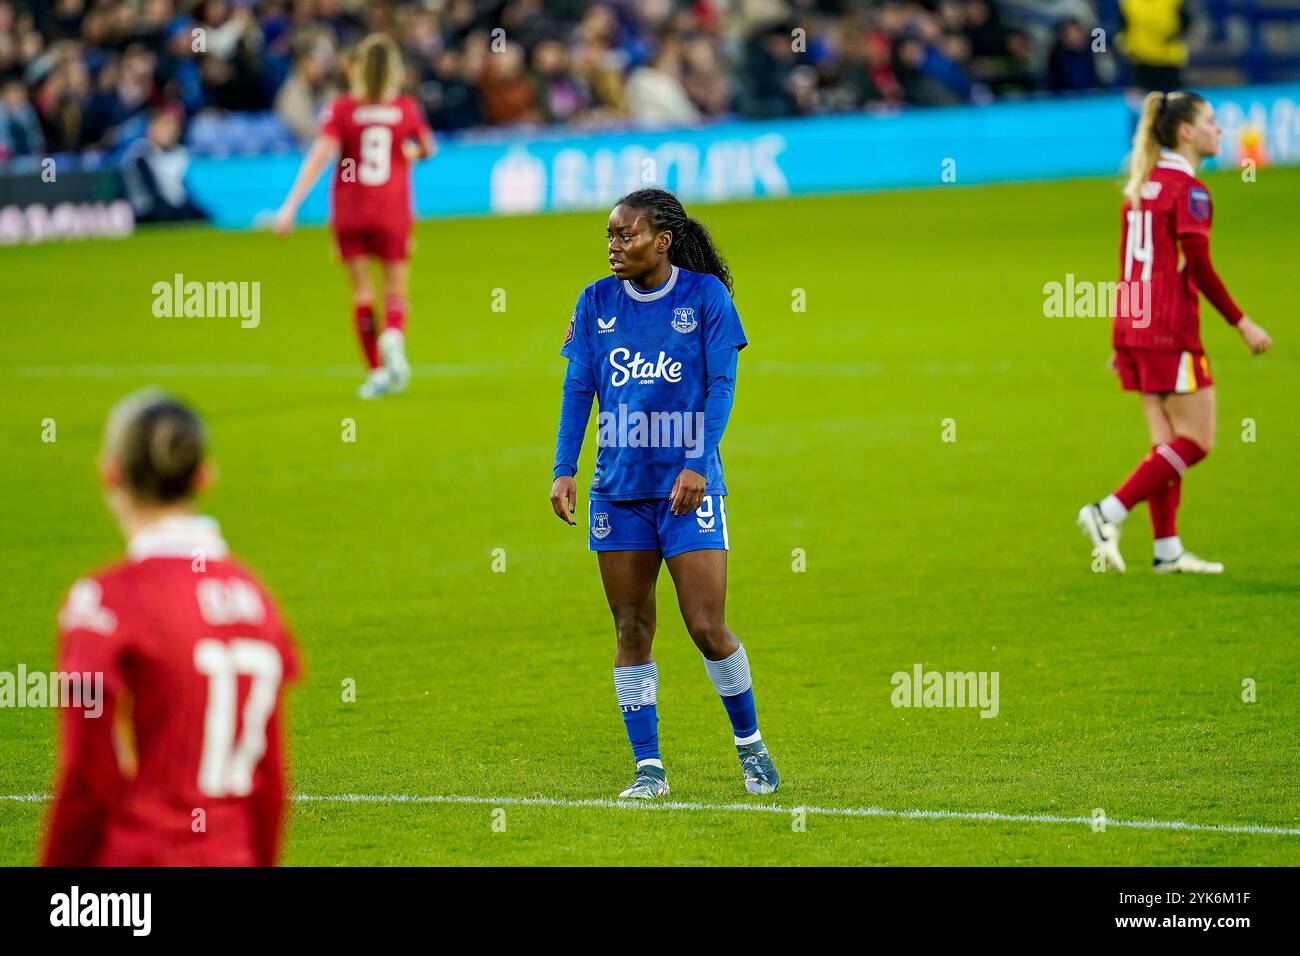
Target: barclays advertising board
{"x":1042,"y":139}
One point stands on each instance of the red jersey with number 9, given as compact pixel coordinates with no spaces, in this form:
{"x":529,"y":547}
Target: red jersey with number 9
{"x":372,"y":181}
{"x":1173,"y":206}
{"x":180,"y":760}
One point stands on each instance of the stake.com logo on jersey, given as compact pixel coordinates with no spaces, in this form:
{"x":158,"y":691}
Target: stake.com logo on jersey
{"x":627,"y":366}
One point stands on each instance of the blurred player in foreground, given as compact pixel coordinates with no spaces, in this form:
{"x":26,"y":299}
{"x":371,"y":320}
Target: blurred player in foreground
{"x":185,"y":764}
{"x":1157,"y":338}
{"x":657,"y":342}
{"x":376,"y":133}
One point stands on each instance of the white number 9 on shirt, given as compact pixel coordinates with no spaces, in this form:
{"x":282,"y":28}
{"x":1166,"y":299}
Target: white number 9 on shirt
{"x":226,"y":766}
{"x":376,"y":155}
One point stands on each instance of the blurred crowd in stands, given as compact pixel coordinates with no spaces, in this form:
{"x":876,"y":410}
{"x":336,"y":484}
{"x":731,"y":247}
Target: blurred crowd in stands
{"x":94,"y":74}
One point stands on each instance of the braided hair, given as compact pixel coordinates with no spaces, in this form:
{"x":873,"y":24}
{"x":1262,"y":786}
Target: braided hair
{"x":692,"y":247}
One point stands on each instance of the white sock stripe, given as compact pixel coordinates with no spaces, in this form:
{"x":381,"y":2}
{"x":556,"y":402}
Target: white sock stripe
{"x":1173,"y":458}
{"x":730,"y":675}
{"x":637,"y":684}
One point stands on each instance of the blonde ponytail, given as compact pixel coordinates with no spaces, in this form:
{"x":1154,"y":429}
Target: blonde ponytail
{"x":376,"y":68}
{"x":1146,"y":148}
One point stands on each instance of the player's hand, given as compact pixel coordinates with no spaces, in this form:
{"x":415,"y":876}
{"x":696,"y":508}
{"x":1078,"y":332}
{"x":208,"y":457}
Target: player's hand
{"x":412,"y":152}
{"x":284,"y":221}
{"x":1256,"y":338}
{"x":1111,"y":364}
{"x":564,"y":498}
{"x":688,"y":491}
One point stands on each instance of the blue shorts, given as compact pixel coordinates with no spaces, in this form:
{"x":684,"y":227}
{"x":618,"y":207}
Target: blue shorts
{"x":650,"y":525}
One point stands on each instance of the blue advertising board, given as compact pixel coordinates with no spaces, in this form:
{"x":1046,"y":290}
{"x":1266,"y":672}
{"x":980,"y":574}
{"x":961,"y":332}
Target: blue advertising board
{"x":564,"y":170}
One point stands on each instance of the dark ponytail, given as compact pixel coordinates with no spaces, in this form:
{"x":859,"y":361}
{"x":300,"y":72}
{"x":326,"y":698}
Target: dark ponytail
{"x":158,"y":443}
{"x":692,"y":247}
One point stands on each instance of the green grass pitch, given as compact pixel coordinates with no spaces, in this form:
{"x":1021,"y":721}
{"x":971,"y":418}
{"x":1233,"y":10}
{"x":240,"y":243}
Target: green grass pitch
{"x":1119,"y":693}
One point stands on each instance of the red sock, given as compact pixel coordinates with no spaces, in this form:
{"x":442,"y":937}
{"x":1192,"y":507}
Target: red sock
{"x":1158,"y":469}
{"x":1164,"y":509}
{"x":395,"y":312}
{"x":364,"y":314}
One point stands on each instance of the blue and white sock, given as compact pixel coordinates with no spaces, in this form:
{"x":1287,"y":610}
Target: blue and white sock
{"x":731,"y":680}
{"x":637,"y":686}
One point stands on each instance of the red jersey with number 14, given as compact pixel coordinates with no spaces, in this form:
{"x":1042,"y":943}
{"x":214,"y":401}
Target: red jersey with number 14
{"x":1174,"y":205}
{"x":372,"y":181}
{"x":180,"y":762}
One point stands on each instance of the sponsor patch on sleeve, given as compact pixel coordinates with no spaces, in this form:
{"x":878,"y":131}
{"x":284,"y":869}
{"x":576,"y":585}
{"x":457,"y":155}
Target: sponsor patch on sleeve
{"x":568,"y":333}
{"x":1198,"y":203}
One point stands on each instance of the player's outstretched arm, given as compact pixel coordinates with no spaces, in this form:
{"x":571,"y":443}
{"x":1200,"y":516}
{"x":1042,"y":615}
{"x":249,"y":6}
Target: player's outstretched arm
{"x":320,"y":155}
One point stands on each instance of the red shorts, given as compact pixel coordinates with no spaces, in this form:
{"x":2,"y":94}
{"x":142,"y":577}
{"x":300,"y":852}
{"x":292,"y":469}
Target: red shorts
{"x":389,"y":243}
{"x":1162,"y":370}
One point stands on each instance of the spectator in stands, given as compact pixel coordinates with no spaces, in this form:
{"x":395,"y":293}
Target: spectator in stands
{"x":505,"y":89}
{"x":1016,"y":74}
{"x":1071,"y":65}
{"x":562,"y":97}
{"x":916,"y":75}
{"x":135,"y":91}
{"x":309,"y":87}
{"x":600,"y":66}
{"x":20,"y":127}
{"x":655,"y":95}
{"x":703,"y":77}
{"x":982,"y":24}
{"x":448,"y":97}
{"x":770,"y":61}
{"x":59,"y":100}
{"x":1152,"y":34}
{"x":181,"y":69}
{"x":153,"y":173}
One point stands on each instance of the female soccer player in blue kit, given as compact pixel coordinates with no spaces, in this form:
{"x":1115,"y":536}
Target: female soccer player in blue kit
{"x":657,"y":342}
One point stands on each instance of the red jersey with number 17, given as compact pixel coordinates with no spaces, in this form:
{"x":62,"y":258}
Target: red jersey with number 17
{"x":372,"y":181}
{"x":180,"y":760}
{"x":1174,"y":205}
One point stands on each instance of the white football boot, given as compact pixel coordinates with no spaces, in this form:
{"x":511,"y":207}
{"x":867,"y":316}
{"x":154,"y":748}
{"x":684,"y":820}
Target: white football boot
{"x":1103,"y":534}
{"x":392,"y":346}
{"x":650,"y":782}
{"x":377,"y":384}
{"x":1186,"y":563}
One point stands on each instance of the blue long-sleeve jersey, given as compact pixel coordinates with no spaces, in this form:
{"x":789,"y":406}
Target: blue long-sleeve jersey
{"x":662,"y":365}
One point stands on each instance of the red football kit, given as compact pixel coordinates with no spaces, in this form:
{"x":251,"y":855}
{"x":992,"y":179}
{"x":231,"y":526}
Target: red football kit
{"x":1164,"y":264}
{"x":185,"y":764}
{"x":372,"y":181}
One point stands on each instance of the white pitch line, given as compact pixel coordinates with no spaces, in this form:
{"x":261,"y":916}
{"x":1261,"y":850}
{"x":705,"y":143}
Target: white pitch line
{"x":988,"y":816}
{"x":819,"y":811}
